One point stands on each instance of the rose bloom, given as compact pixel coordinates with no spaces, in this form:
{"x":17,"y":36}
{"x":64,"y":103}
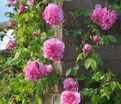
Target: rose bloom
{"x":34,"y":33}
{"x":47,"y":70}
{"x":96,"y":14}
{"x":22,"y":7}
{"x":103,"y":17}
{"x":96,"y":38}
{"x":9,"y":25}
{"x":12,"y":2}
{"x":69,"y":97}
{"x":86,"y":49}
{"x":10,"y":44}
{"x":34,"y":70}
{"x":30,"y":2}
{"x":53,"y":49}
{"x":53,"y":14}
{"x":70,"y":85}
{"x":108,"y":20}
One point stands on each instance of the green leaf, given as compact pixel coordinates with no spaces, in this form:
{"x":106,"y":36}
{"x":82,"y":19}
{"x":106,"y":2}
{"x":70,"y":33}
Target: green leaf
{"x":113,"y":85}
{"x":72,"y":71}
{"x":105,"y":92}
{"x":79,"y":57}
{"x":87,"y":63}
{"x":104,"y":41}
{"x":111,"y":38}
{"x":17,"y":55}
{"x":94,"y":99}
{"x":87,"y":91}
{"x":68,"y":72}
{"x":98,"y":59}
{"x":90,"y":63}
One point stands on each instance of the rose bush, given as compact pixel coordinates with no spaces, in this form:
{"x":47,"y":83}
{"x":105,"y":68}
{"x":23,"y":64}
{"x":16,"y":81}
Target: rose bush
{"x":28,"y":66}
{"x":28,"y":69}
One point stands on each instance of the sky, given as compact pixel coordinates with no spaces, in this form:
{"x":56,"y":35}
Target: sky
{"x":3,"y":18}
{"x":3,"y":9}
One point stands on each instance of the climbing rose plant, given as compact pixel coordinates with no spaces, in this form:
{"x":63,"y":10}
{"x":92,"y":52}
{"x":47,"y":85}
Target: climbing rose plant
{"x":28,"y":65}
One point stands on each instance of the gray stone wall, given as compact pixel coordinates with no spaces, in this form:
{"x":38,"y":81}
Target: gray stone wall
{"x":111,"y":54}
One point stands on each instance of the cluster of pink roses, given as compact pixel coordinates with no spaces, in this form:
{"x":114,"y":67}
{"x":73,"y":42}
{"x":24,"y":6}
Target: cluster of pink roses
{"x":53,"y":50}
{"x":70,"y":95}
{"x":103,"y":17}
{"x":34,"y":70}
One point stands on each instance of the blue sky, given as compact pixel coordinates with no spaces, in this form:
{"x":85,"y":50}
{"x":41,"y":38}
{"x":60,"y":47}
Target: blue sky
{"x":3,"y":9}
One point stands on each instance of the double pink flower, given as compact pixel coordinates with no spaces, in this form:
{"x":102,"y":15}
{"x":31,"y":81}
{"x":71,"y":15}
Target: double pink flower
{"x":34,"y":70}
{"x":53,"y":14}
{"x":70,"y":84}
{"x":103,"y":17}
{"x":53,"y":49}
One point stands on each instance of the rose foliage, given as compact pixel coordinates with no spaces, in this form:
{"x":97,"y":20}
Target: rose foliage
{"x":28,"y":64}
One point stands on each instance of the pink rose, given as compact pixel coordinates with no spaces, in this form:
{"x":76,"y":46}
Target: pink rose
{"x":34,"y":33}
{"x":68,"y":97}
{"x":47,"y":70}
{"x":96,"y":14}
{"x":53,"y":49}
{"x":11,"y":2}
{"x":86,"y":49}
{"x":10,"y":44}
{"x":96,"y":38}
{"x":70,"y":85}
{"x":103,"y":17}
{"x":53,"y":14}
{"x":21,"y":7}
{"x":30,"y":2}
{"x":9,"y":25}
{"x":108,"y":20}
{"x":34,"y":70}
